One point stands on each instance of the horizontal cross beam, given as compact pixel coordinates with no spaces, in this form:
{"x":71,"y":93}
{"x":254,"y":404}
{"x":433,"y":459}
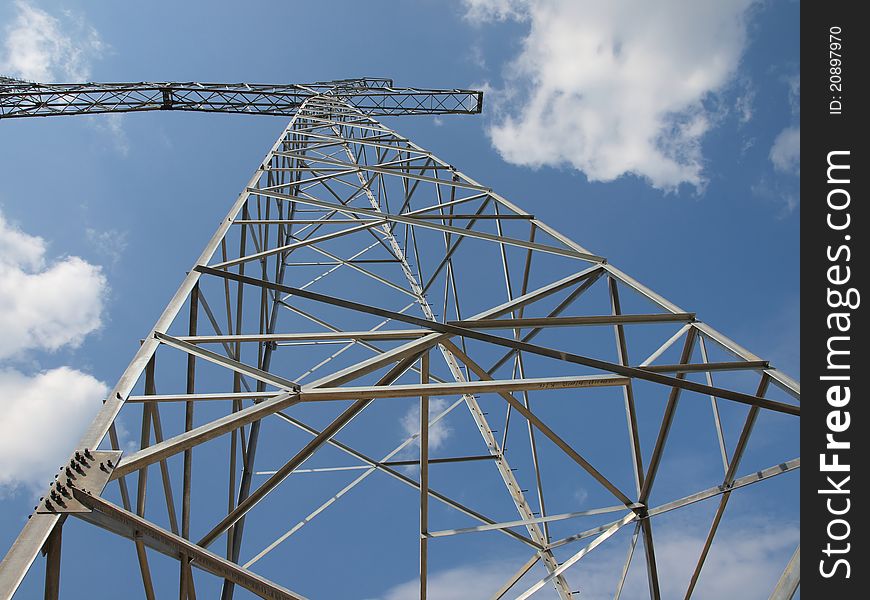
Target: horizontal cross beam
{"x":452,"y":330}
{"x":371,"y":392}
{"x":373,"y":96}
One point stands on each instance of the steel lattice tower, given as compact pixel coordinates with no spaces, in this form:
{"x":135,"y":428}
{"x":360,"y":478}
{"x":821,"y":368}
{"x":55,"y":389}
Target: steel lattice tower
{"x":356,"y":276}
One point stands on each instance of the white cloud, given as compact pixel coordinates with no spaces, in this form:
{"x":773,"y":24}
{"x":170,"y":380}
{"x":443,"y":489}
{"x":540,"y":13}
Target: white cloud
{"x":478,"y":580}
{"x":479,"y":11}
{"x":110,"y":243}
{"x":45,"y":48}
{"x":112,"y":125}
{"x":794,"y":93}
{"x":438,"y":432}
{"x":786,"y":151}
{"x":785,"y":154}
{"x":44,"y":306}
{"x":18,"y":248}
{"x":616,"y":88}
{"x":744,"y":105}
{"x":745,"y":562}
{"x":40,"y":47}
{"x":43,"y":418}
{"x":476,"y":57}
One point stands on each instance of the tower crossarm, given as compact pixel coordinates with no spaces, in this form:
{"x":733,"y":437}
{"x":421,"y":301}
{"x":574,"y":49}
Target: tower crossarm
{"x":375,"y":96}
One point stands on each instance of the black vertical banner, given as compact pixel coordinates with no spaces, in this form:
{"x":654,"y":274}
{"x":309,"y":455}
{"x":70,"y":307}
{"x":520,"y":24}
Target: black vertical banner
{"x":835,"y":425}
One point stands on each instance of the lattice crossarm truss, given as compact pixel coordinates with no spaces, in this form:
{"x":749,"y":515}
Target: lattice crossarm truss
{"x":375,"y":96}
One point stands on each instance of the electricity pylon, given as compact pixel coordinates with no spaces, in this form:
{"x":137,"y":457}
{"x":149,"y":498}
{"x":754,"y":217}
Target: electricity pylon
{"x":360,"y":286}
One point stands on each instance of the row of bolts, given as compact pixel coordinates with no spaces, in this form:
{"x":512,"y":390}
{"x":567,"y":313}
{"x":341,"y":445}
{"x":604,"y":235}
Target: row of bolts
{"x":60,"y":491}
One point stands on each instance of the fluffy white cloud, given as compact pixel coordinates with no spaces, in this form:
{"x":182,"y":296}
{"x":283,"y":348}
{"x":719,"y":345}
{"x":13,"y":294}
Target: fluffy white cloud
{"x":745,"y":562}
{"x":786,"y":151}
{"x":43,"y":418}
{"x":615,"y":88}
{"x":19,"y":249}
{"x":438,"y":432}
{"x":44,"y":306}
{"x":753,"y":556}
{"x":40,"y":47}
{"x":785,"y":154}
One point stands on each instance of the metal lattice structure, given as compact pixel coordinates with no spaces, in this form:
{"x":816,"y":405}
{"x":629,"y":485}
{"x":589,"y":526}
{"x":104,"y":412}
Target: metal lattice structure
{"x":356,"y":276}
{"x":375,"y":96}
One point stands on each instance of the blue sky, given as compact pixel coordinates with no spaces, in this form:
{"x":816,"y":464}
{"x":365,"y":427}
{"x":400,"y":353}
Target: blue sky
{"x":666,"y":140}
